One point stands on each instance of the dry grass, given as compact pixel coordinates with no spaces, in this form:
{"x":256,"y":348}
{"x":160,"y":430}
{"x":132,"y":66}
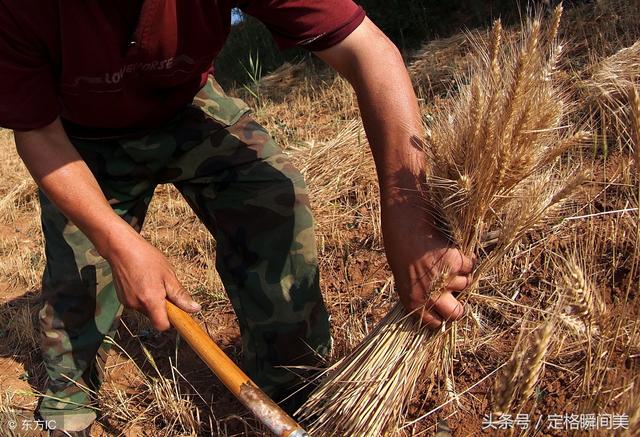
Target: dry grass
{"x":572,"y":267}
{"x":9,"y":416}
{"x":18,"y":328}
{"x":608,"y":92}
{"x":158,"y":399}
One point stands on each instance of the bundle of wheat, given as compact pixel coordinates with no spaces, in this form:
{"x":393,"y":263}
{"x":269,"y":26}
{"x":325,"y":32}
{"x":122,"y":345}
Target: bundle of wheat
{"x":493,"y":152}
{"x":436,"y":65}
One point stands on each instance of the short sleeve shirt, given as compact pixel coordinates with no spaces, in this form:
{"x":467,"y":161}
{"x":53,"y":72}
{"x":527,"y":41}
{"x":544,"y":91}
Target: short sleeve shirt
{"x":127,"y":65}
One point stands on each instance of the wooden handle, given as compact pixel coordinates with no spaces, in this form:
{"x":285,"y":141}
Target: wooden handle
{"x":247,"y":392}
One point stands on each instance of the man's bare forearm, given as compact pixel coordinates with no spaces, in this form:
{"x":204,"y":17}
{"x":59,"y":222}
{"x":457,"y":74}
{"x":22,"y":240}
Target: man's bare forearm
{"x":64,"y":177}
{"x":390,"y":114}
{"x":415,"y":250}
{"x":142,"y":276}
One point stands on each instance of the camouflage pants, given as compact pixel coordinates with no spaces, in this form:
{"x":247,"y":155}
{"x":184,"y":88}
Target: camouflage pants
{"x":253,"y":202}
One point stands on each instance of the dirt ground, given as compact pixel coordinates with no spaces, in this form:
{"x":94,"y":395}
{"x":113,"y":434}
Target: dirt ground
{"x":22,"y":373}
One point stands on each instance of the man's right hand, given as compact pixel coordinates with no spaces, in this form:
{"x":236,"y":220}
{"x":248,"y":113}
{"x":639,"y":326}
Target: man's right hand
{"x":142,"y":275}
{"x":144,"y":278}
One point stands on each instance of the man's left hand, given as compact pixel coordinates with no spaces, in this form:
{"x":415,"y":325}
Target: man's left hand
{"x":420,"y":256}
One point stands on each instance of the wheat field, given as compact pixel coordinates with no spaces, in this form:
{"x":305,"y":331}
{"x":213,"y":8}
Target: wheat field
{"x":551,"y":333}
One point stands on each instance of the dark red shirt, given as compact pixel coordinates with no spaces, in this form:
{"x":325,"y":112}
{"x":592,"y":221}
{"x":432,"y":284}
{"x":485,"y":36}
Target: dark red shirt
{"x":127,"y":65}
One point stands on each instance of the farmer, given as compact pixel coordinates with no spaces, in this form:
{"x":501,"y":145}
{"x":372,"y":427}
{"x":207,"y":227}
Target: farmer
{"x":108,"y":99}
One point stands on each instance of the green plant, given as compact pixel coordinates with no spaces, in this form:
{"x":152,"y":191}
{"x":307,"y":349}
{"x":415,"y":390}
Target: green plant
{"x":254,"y":74}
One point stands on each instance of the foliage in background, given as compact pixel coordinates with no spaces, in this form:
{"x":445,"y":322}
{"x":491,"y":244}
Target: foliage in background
{"x":249,"y":37}
{"x":410,"y":22}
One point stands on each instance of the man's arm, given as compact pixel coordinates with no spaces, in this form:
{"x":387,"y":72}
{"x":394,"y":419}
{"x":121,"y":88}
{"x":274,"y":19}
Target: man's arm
{"x":415,"y":250}
{"x":141,"y":274}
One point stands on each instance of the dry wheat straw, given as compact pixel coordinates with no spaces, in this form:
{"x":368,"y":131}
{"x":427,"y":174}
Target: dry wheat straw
{"x":634,"y":102}
{"x":610,"y":93}
{"x":159,"y":400}
{"x":492,"y":151}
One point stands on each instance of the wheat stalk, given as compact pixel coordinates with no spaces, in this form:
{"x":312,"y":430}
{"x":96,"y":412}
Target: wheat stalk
{"x":522,"y":372}
{"x":505,"y":386}
{"x":634,"y":103}
{"x":584,"y":301}
{"x":534,"y":367}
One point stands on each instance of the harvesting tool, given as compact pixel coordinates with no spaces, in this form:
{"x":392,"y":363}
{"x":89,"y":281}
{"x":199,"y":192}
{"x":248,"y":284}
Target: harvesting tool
{"x":247,"y":392}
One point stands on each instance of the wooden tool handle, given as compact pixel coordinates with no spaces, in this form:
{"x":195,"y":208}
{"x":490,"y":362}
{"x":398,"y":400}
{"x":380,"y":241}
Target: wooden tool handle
{"x":265,"y":410}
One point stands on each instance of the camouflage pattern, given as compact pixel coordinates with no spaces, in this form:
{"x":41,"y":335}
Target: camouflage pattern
{"x":252,"y":200}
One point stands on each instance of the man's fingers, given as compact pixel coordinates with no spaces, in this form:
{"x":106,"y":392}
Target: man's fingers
{"x":466,"y":265}
{"x":459,"y":283}
{"x":448,"y":307}
{"x":179,"y":296}
{"x":158,"y":316}
{"x":430,"y":319}
{"x":445,"y":307}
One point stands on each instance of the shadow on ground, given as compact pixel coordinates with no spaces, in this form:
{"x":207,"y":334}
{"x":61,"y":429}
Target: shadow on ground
{"x":23,"y":375}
